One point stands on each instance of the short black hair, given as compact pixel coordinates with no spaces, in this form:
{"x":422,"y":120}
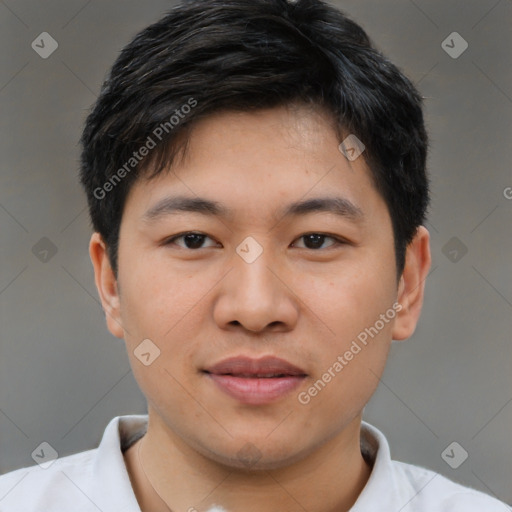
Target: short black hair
{"x":207,"y":56}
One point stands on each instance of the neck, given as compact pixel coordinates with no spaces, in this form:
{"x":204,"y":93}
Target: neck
{"x":171,"y":475}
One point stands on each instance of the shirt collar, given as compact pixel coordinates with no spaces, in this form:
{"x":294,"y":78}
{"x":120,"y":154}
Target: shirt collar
{"x":115,"y":493}
{"x":382,"y":482}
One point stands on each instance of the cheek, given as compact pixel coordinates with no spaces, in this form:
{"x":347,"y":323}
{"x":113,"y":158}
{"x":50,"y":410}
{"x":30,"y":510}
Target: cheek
{"x":156,"y":299}
{"x":356,"y":344}
{"x":164,"y":306}
{"x":350,"y":297}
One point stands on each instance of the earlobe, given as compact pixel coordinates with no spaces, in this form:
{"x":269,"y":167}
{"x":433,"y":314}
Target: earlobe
{"x":106,"y":284}
{"x":411,"y":287}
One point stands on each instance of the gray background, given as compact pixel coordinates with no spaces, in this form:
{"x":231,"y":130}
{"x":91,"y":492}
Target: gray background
{"x":63,"y":376}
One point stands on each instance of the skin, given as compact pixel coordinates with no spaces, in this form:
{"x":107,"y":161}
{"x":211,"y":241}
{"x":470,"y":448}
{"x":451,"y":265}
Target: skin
{"x":297,"y":301}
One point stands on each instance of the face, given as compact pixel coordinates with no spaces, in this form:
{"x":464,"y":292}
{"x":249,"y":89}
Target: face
{"x":286,"y":268}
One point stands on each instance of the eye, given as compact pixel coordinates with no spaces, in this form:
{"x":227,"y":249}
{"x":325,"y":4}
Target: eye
{"x":316,"y":240}
{"x":194,"y":240}
{"x":191,"y":240}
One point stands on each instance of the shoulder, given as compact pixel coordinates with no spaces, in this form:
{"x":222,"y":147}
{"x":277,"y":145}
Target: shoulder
{"x":428,"y":491}
{"x":36,"y":488}
{"x":396,"y":485}
{"x":82,"y":482}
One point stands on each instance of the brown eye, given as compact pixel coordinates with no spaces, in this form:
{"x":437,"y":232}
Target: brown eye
{"x":316,"y":240}
{"x":191,"y":240}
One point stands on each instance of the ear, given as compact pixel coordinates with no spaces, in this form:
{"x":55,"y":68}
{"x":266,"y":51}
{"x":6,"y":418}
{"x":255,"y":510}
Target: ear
{"x":106,"y":283}
{"x":412,"y":284}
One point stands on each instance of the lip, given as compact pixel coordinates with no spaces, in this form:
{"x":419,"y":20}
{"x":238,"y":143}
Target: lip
{"x":255,"y":381}
{"x":243,"y":365}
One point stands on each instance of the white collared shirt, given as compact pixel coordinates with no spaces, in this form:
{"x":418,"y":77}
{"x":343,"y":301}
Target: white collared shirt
{"x":97,"y":480}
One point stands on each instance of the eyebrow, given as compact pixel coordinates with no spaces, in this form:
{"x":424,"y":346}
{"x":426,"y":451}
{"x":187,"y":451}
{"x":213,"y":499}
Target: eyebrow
{"x":340,"y":206}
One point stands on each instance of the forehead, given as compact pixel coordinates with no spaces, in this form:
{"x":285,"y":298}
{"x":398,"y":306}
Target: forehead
{"x":258,"y":161}
{"x":265,"y":132}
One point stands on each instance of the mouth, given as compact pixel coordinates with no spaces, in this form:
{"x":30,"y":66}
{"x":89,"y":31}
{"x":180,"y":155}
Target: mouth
{"x":255,"y":381}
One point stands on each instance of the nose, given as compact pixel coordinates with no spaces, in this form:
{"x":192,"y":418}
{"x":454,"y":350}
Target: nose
{"x":255,"y":296}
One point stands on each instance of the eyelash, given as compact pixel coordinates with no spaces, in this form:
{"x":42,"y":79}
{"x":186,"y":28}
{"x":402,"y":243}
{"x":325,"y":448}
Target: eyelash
{"x":338,"y":241}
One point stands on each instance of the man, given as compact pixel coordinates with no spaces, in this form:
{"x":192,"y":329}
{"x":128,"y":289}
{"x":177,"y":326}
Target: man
{"x":255,"y":172}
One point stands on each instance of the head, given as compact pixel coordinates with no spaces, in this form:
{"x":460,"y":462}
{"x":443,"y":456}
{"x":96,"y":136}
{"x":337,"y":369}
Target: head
{"x":243,"y":104}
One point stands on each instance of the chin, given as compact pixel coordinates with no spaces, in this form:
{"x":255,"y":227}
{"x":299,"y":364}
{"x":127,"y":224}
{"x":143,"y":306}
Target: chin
{"x":249,"y":457}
